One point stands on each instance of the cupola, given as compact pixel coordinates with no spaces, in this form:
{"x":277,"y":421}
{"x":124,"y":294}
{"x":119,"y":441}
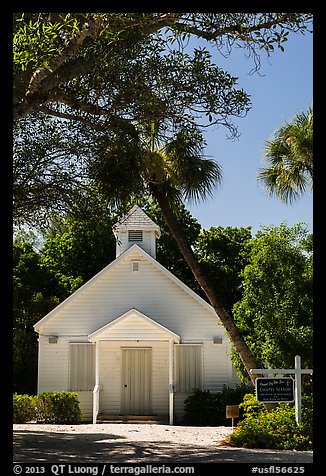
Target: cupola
{"x":136,"y":228}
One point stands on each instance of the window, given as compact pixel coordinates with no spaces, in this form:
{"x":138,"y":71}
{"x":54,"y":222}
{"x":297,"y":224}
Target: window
{"x":134,"y":266}
{"x":135,"y":236}
{"x":82,"y":367}
{"x":188,"y":367}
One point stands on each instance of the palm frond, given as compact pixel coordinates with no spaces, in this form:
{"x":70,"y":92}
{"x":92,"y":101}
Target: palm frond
{"x":290,"y":159}
{"x":194,"y":175}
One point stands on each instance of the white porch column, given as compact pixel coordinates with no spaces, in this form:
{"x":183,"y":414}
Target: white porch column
{"x":171,"y":389}
{"x":96,"y":395}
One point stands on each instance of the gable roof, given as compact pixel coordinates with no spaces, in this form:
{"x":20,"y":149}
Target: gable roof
{"x":115,"y":263}
{"x":124,"y":328}
{"x":136,"y":219}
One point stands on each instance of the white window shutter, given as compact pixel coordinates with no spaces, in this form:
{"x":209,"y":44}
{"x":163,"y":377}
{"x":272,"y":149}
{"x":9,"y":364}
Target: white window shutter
{"x":82,"y":367}
{"x":188,"y":367}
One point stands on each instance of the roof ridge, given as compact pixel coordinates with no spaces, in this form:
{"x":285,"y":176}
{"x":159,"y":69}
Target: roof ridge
{"x":136,"y":217}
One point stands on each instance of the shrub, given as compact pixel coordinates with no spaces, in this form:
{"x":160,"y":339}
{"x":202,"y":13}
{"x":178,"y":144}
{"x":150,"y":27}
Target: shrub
{"x":58,"y":407}
{"x":275,"y":429}
{"x":250,"y":405}
{"x":204,"y":408}
{"x":23,"y":408}
{"x":47,"y":407}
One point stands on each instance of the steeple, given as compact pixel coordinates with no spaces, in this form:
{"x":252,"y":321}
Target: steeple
{"x":136,"y":227}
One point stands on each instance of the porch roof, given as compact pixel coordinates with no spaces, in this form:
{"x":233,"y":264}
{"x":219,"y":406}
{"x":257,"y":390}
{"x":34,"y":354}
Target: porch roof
{"x":133,"y":325}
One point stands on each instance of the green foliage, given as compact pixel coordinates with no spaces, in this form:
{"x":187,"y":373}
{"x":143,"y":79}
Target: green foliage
{"x":290,"y":159}
{"x":125,"y":166}
{"x":223,"y":252}
{"x":307,"y":413}
{"x":37,"y":42}
{"x":57,"y":407}
{"x":275,"y":312}
{"x":204,"y":408}
{"x":79,"y":250}
{"x":275,"y":429}
{"x":167,"y":251}
{"x":35,"y":293}
{"x":250,"y":405}
{"x":48,"y":169}
{"x":23,"y":408}
{"x":106,"y":72}
{"x":48,"y":407}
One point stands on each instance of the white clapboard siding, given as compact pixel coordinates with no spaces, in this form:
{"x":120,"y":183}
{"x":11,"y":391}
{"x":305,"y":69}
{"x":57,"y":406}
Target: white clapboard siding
{"x":149,"y":291}
{"x":111,"y":375}
{"x":86,"y":405}
{"x":147,"y":244}
{"x":133,"y":326}
{"x":179,"y":399}
{"x":217,"y":371}
{"x":53,"y":366}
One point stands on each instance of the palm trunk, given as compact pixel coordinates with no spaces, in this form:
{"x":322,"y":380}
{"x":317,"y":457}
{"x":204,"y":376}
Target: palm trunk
{"x":203,"y":280}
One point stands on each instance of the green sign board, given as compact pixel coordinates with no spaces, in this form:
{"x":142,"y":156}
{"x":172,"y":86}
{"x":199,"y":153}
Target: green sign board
{"x":272,"y":390}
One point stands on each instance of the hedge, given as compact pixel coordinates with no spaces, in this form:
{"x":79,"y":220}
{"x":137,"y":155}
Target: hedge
{"x":203,"y":408}
{"x":47,"y":407}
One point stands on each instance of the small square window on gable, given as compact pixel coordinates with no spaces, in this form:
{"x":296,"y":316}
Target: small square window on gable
{"x":135,"y":266}
{"x":135,"y":236}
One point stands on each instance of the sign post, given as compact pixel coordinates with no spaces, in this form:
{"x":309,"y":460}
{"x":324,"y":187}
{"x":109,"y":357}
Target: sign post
{"x":297,"y":395}
{"x":278,"y":389}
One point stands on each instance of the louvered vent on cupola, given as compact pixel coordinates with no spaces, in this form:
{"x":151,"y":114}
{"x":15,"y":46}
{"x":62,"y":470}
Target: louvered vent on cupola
{"x":136,"y":228}
{"x":135,"y":236}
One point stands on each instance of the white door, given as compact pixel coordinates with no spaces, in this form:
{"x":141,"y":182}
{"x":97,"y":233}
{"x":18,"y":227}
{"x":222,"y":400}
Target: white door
{"x":136,"y":381}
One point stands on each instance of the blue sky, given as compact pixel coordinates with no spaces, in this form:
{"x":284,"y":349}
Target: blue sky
{"x":282,"y":88}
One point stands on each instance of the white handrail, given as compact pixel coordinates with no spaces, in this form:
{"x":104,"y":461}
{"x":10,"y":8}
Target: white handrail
{"x":96,"y":401}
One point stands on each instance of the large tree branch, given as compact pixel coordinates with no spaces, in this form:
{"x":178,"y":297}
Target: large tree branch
{"x":71,"y":117}
{"x":32,"y":92}
{"x":44,"y":80}
{"x":68,"y":52}
{"x":236,"y":29}
{"x":94,"y":109}
{"x":92,"y":29}
{"x":111,"y":121}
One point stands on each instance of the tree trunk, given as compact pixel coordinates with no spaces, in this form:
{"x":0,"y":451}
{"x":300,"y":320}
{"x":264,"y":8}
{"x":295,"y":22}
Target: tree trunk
{"x":203,"y":280}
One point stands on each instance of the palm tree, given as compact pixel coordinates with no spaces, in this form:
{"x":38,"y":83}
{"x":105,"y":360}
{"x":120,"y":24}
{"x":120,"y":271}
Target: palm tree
{"x":290,"y":158}
{"x":171,"y":172}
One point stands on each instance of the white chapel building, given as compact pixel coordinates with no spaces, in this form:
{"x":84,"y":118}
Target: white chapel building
{"x":134,"y":339}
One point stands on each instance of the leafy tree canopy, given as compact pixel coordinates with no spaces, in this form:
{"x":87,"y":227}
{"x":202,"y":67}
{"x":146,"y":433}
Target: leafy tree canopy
{"x":79,"y":246}
{"x":224,"y":254}
{"x":275,"y":311}
{"x":111,"y":72}
{"x":109,"y":68}
{"x":35,"y":293}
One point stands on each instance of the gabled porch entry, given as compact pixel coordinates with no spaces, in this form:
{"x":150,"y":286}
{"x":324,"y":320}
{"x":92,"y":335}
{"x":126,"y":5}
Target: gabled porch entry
{"x":137,"y":375}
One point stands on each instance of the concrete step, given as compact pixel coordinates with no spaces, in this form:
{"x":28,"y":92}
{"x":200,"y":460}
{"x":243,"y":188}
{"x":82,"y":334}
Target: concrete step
{"x":139,"y":419}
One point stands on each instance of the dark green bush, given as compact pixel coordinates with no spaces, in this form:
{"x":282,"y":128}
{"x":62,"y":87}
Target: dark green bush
{"x":250,"y":406}
{"x":23,"y":408}
{"x":204,"y":408}
{"x":58,"y":407}
{"x":47,"y":407}
{"x":275,"y":429}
